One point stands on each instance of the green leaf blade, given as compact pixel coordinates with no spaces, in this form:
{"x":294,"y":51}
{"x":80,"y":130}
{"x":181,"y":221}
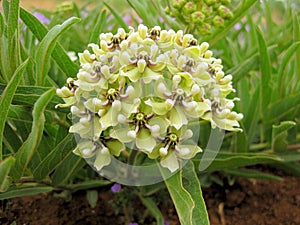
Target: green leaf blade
{"x":26,"y":151}
{"x":5,"y":167}
{"x":6,"y":98}
{"x":46,"y":48}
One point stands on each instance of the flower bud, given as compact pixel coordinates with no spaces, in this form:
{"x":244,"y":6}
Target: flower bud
{"x":225,"y":12}
{"x":205,"y":29}
{"x":177,"y":4}
{"x":198,"y":17}
{"x":218,"y":21}
{"x":206,"y":10}
{"x":189,"y":7}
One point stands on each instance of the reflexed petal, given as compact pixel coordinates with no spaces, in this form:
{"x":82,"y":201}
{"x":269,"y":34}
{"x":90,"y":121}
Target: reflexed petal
{"x":133,"y":74}
{"x":188,"y":151}
{"x":170,"y":162}
{"x":115,"y":147}
{"x":84,"y":149}
{"x":102,"y":159}
{"x":177,"y":117}
{"x":144,"y":140}
{"x":162,"y":123}
{"x":121,"y":134}
{"x":110,"y":118}
{"x":160,"y":108}
{"x":150,"y":75}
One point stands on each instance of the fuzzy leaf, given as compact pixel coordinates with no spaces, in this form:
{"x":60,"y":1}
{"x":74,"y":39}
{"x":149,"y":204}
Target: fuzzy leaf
{"x":6,"y":98}
{"x":24,"y":191}
{"x":26,"y":151}
{"x":5,"y":167}
{"x":59,"y":54}
{"x":46,"y":47}
{"x":185,"y":191}
{"x":279,"y":135}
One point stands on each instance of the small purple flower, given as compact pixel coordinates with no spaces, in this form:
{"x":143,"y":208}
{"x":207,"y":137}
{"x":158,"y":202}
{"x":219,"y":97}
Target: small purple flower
{"x":133,"y":224}
{"x":116,"y":188}
{"x":41,"y":17}
{"x":237,"y":26}
{"x":166,"y":222}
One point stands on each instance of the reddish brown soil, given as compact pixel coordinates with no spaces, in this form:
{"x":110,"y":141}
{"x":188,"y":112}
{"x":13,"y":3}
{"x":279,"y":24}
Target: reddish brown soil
{"x":255,"y":202}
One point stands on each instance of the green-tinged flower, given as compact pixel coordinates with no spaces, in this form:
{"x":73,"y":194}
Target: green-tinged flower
{"x":144,"y":90}
{"x":175,"y":146}
{"x":210,"y":2}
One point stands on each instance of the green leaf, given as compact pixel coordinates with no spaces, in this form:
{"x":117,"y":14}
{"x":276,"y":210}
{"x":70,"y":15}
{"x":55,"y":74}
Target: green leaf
{"x":59,"y":54}
{"x":282,"y":107}
{"x":89,"y":184}
{"x":154,"y":210}
{"x":265,"y":66}
{"x":284,"y":62}
{"x":26,"y":151}
{"x":24,"y":191}
{"x":56,"y":157}
{"x":92,"y":198}
{"x":192,"y":185}
{"x":289,"y":167}
{"x":65,"y":171}
{"x":184,"y":188}
{"x":117,"y":17}
{"x":94,"y":36}
{"x":5,"y":167}
{"x":252,"y":174}
{"x":46,"y":47}
{"x":279,"y":135}
{"x":28,"y":95}
{"x":13,"y":19}
{"x":6,"y":98}
{"x":227,"y":160}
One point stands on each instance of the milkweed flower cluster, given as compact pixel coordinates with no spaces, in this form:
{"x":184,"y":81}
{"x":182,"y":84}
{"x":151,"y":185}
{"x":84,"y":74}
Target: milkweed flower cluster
{"x":201,"y":16}
{"x":142,"y":90}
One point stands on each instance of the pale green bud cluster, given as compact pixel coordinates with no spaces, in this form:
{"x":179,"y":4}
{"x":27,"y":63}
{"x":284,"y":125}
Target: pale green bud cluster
{"x":202,"y":16}
{"x":143,"y":90}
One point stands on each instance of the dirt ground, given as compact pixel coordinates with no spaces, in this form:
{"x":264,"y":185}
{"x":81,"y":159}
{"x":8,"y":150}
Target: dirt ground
{"x":247,"y":202}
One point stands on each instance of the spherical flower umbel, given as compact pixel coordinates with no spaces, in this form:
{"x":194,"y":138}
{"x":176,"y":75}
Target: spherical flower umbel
{"x":142,"y":91}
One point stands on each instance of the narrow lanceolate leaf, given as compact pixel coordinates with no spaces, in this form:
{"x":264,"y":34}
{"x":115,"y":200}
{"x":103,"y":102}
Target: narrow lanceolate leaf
{"x":252,"y":174}
{"x":59,"y":54}
{"x":94,"y":36}
{"x":26,"y":151}
{"x":227,"y":160}
{"x":285,"y":61}
{"x":26,"y":191}
{"x":13,"y":19}
{"x":57,"y":156}
{"x":6,"y":98}
{"x":28,"y":95}
{"x":154,"y":210}
{"x":46,"y":47}
{"x":266,"y":70}
{"x":65,"y":171}
{"x":119,"y":19}
{"x":5,"y":167}
{"x":279,"y":135}
{"x":192,"y":185}
{"x":184,"y":188}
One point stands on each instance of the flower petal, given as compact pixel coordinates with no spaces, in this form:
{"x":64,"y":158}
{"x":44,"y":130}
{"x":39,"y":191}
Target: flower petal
{"x":170,"y":162}
{"x":121,"y":134}
{"x":115,"y":147}
{"x":177,"y":117}
{"x":188,"y":151}
{"x":102,"y":159}
{"x":144,"y":140}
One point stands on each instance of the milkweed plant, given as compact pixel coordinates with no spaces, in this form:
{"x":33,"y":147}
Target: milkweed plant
{"x":147,"y":98}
